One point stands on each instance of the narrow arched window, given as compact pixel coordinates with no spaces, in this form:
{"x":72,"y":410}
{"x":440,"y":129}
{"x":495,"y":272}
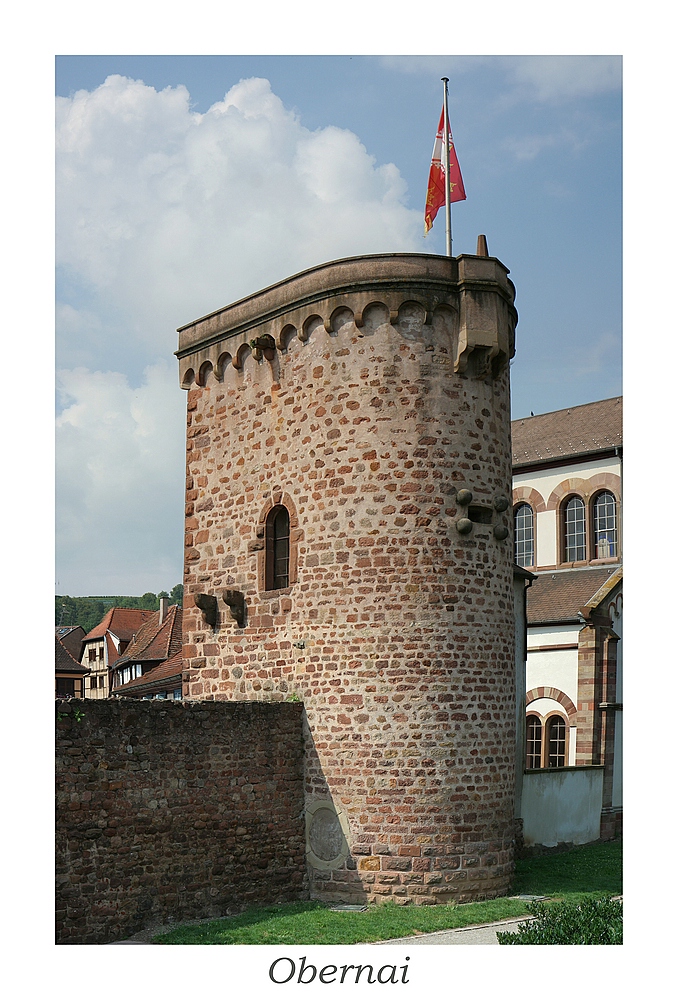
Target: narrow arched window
{"x":533,"y":748}
{"x":605,"y":526}
{"x":277,"y":548}
{"x":555,"y":738}
{"x":524,"y":535}
{"x":575,"y":530}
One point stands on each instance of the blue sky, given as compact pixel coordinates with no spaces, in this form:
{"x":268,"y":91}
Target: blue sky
{"x":174,"y":199}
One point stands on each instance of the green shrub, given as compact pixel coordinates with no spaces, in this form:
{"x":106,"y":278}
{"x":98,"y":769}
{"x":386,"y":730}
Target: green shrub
{"x":593,"y":921}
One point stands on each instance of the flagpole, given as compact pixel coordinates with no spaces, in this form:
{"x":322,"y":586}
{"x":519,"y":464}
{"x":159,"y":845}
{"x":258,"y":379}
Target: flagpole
{"x":446,"y":164}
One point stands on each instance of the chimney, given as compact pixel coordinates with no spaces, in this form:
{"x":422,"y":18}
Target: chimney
{"x":164,"y":608}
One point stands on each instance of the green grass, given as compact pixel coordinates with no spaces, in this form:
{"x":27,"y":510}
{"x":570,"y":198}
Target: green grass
{"x":584,"y":872}
{"x":595,"y":869}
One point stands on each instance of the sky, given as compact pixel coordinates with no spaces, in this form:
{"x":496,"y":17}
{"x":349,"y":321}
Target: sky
{"x":186,"y":182}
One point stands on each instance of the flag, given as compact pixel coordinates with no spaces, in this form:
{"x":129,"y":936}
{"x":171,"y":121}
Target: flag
{"x":435,"y":196}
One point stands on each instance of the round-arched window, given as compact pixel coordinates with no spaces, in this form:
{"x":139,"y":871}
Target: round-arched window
{"x":575,"y":530}
{"x":533,"y":742}
{"x":555,"y":739}
{"x":605,"y":526}
{"x":278,"y":548}
{"x":524,"y":535}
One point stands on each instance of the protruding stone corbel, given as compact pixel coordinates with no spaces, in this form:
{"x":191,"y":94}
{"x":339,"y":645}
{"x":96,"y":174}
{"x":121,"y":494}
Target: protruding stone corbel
{"x":263,"y":346}
{"x":235,"y":600}
{"x":208,"y":605}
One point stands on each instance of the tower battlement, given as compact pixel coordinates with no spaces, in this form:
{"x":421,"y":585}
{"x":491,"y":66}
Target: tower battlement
{"x":412,"y":291}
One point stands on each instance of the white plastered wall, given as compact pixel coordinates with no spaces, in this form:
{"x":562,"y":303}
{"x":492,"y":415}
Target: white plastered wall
{"x":545,"y":481}
{"x":557,"y":668}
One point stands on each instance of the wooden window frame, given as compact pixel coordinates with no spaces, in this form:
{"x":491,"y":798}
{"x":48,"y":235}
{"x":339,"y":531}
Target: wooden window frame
{"x":545,"y":721}
{"x":277,"y":546}
{"x":262,"y":543}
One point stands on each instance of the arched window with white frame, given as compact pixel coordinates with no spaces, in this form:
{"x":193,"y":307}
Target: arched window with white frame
{"x":556,"y":731}
{"x":533,"y":742}
{"x":605,"y":526}
{"x":524,"y":535}
{"x":574,"y":530}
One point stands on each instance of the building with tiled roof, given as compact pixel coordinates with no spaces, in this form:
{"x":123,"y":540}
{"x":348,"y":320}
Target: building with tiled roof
{"x":157,"y":641}
{"x":71,"y":636}
{"x":107,"y":642}
{"x":162,"y":681}
{"x":567,"y":483}
{"x":69,"y":673}
{"x":578,"y":432}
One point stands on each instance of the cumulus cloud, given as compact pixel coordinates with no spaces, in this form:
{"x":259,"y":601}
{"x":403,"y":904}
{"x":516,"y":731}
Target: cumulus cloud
{"x":119,"y":483}
{"x":163,"y":215}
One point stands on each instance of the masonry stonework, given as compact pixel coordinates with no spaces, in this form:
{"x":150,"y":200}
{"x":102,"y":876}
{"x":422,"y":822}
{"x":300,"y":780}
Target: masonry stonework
{"x":370,"y":397}
{"x":171,"y":811}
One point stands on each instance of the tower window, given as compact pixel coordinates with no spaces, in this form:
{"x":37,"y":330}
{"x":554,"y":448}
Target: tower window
{"x":278,"y":548}
{"x":524,"y":535}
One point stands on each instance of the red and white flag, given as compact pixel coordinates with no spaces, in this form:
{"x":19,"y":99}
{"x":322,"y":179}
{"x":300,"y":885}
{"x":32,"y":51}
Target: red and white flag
{"x":435,"y":196}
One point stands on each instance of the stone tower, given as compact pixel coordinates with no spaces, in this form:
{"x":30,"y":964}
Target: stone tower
{"x":349,"y":544}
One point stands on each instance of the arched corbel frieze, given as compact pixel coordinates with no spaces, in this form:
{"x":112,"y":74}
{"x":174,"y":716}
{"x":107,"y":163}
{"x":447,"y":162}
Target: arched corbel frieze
{"x":203,"y":373}
{"x":187,"y":379}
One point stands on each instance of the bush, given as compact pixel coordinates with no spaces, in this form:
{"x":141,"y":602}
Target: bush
{"x":593,"y":921}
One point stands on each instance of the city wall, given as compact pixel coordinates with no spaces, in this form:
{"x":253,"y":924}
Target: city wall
{"x":169,"y":812}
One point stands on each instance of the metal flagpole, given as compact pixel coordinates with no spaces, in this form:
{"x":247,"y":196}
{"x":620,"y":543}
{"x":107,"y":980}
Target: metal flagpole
{"x":446,"y":146}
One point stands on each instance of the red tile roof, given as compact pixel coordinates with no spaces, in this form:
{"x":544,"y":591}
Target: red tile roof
{"x":155,"y":641}
{"x":564,"y":434}
{"x":557,"y":597}
{"x":156,"y":679}
{"x":71,"y":636}
{"x":65,"y":663}
{"x":122,"y":622}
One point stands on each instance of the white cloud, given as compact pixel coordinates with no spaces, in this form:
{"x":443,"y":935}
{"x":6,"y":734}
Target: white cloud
{"x":163,"y":215}
{"x":119,"y":484}
{"x":528,"y":147}
{"x":558,"y":78}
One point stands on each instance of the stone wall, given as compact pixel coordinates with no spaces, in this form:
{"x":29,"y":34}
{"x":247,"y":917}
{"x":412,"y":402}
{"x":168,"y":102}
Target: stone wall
{"x":171,"y":811}
{"x":370,"y":397}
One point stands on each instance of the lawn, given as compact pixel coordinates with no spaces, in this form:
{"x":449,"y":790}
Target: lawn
{"x":583,"y":872}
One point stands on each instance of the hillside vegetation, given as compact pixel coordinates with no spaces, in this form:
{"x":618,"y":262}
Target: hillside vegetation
{"x":88,"y":611}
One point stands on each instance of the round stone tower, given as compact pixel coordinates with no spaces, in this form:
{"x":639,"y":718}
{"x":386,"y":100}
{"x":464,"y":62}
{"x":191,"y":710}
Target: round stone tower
{"x":349,"y":545}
